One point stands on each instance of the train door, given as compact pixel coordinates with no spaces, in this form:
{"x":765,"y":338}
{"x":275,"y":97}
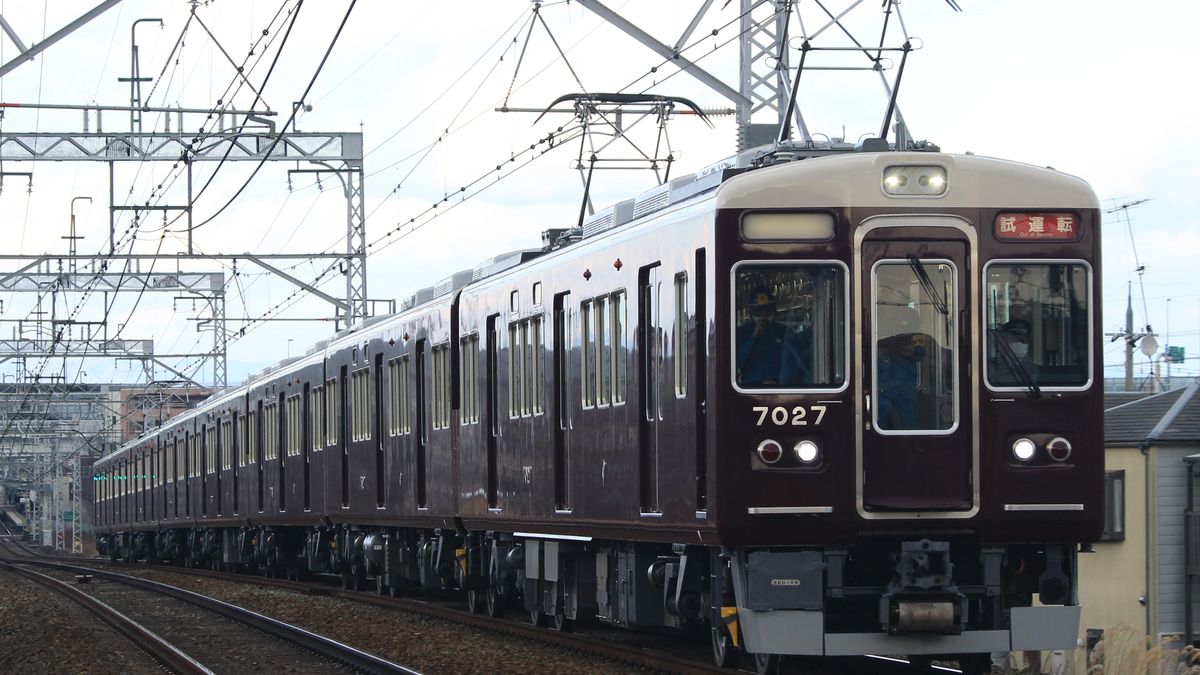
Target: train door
{"x":493,"y":408}
{"x":562,"y":403}
{"x":422,"y":426}
{"x":917,"y":451}
{"x":309,"y":426}
{"x":650,"y":350}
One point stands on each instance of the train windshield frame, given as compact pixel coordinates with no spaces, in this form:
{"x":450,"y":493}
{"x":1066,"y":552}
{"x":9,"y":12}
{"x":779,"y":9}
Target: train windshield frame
{"x":800,"y":307}
{"x":1038,"y":325}
{"x":914,"y":374}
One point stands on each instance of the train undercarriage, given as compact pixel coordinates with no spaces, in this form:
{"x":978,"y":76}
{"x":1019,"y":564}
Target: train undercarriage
{"x":886,"y":595}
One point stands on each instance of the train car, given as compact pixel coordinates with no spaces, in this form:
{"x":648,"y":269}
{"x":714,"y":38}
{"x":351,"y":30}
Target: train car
{"x":819,"y":401}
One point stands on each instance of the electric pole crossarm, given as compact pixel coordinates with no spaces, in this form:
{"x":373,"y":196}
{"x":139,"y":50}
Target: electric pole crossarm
{"x":27,"y":54}
{"x":108,"y":147}
{"x":308,"y":287}
{"x":180,"y":375}
{"x":666,"y":52}
{"x":81,"y":281}
{"x":75,"y":348}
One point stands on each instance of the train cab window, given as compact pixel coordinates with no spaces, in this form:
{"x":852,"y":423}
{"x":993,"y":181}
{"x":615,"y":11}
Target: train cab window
{"x":914,"y":346}
{"x":1038,"y":328}
{"x":790,"y":326}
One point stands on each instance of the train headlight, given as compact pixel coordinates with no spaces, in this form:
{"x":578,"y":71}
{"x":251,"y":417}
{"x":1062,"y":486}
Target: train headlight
{"x":1023,"y":449}
{"x":1059,"y":449}
{"x":806,"y":451}
{"x":914,"y":180}
{"x":770,"y":451}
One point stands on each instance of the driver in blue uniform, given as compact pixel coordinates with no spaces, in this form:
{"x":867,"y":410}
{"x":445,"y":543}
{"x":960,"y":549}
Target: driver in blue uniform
{"x":767,"y":352}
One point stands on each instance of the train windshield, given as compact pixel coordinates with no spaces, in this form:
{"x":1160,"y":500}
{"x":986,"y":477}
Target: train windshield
{"x":790,"y":326}
{"x":914,"y":345}
{"x":1037,"y":325}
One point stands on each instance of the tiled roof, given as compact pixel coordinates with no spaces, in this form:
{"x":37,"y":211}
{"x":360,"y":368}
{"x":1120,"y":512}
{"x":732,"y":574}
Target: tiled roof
{"x":1169,"y":417}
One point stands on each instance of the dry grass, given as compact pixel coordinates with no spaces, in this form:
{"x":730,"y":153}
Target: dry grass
{"x":1124,"y":650}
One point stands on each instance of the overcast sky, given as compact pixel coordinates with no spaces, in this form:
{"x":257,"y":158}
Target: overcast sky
{"x":1098,"y":89}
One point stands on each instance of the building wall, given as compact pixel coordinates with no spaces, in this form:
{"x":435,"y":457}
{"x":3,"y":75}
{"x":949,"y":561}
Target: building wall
{"x":1170,"y":500}
{"x":1112,"y":579}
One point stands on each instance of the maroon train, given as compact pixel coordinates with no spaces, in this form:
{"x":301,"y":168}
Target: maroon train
{"x":834,"y":404}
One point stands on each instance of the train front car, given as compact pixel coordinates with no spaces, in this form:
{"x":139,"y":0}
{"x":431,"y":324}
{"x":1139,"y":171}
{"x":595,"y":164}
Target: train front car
{"x":908,"y":405}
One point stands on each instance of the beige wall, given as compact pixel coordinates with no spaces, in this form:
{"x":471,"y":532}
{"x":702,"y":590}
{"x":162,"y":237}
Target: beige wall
{"x":1113,"y":578}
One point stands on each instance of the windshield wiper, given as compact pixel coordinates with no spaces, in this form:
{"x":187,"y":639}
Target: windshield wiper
{"x":926,"y":283}
{"x":1014,"y":365}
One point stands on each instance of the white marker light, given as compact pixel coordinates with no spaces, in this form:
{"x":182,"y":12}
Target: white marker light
{"x":1023,"y":449}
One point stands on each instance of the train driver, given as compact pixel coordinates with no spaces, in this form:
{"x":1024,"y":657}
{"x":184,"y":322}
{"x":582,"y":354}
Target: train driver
{"x":1013,"y":363}
{"x":900,"y":354}
{"x":768,"y":353}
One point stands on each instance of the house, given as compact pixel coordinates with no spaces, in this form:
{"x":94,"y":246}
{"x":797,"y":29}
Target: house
{"x":1137,"y":573}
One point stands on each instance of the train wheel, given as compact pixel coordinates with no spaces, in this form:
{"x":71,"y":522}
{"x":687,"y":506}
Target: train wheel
{"x":495,"y":601}
{"x":476,"y":601}
{"x":768,"y":664}
{"x":561,"y":623}
{"x":539,"y":618}
{"x":725,"y":653}
{"x":380,"y":587}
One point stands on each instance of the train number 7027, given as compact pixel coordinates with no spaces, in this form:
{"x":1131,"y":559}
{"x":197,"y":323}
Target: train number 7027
{"x":780,"y":416}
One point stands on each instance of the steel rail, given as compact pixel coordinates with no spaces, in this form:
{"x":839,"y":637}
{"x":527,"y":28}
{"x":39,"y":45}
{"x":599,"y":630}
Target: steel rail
{"x":319,"y":644}
{"x":159,"y":649}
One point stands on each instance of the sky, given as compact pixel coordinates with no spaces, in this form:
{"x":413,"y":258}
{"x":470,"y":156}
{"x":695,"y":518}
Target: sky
{"x":1097,"y":89}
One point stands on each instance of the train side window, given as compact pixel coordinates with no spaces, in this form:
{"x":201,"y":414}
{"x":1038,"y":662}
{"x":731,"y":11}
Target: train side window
{"x":360,"y":404}
{"x":252,"y":437}
{"x":239,"y":437}
{"x":400,"y":383}
{"x":1114,"y":506}
{"x":1038,"y":327}
{"x":441,"y":386}
{"x":193,"y":455}
{"x":680,"y":351}
{"x":620,"y":351}
{"x":271,"y":431}
{"x":539,"y":365}
{"x":526,"y":353}
{"x":588,"y":340}
{"x":514,"y":370}
{"x":316,"y":418}
{"x":332,"y":411}
{"x":227,"y":444}
{"x":604,"y":339}
{"x":293,"y":421}
{"x":469,"y":378}
{"x":210,"y":449}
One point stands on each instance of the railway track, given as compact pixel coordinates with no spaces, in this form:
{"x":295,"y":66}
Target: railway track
{"x":648,"y":650}
{"x":642,"y":650}
{"x":189,"y":633}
